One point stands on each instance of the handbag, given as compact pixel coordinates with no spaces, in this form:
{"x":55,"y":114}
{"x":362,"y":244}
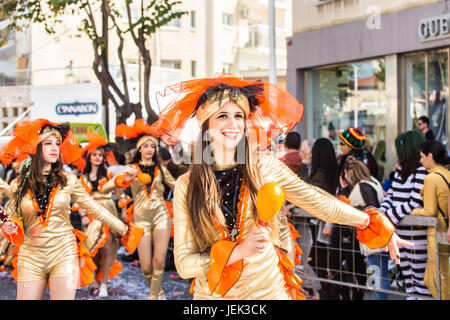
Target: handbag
{"x":439,"y":208}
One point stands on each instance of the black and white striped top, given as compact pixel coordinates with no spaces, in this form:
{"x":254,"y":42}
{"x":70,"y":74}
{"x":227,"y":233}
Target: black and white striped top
{"x":400,"y":201}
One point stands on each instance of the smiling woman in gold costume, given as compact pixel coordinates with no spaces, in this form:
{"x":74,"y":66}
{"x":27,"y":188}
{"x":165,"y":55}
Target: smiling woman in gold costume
{"x":218,"y":239}
{"x":150,"y":211}
{"x":40,"y":211}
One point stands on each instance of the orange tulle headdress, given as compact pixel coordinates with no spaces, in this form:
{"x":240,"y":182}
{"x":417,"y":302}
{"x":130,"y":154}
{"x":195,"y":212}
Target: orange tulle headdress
{"x":28,"y":134}
{"x":269,"y":109}
{"x":96,"y":141}
{"x":137,"y":134}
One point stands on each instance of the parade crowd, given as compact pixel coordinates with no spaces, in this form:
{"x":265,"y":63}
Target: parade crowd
{"x":69,"y":207}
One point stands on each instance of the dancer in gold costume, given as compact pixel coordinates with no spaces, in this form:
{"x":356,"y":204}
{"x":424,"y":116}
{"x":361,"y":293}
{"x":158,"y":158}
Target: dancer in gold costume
{"x":150,"y":211}
{"x":218,"y":238}
{"x":39,"y":212}
{"x":100,"y":243}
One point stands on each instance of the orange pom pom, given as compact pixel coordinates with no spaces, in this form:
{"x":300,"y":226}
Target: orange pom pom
{"x":144,"y":178}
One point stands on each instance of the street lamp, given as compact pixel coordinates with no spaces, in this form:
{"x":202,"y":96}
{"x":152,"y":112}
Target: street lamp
{"x":272,"y":44}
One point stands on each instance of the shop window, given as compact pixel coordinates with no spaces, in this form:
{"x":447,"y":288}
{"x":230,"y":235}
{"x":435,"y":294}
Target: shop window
{"x":351,"y":95}
{"x":415,"y":90}
{"x":438,"y":94}
{"x":434,"y":102}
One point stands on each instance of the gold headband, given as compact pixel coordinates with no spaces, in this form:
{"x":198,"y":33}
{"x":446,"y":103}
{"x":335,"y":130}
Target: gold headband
{"x":209,"y":108}
{"x":47,"y":132}
{"x":144,"y":139}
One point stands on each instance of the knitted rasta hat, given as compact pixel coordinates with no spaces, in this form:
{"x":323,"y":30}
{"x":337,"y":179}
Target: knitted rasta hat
{"x":353,"y":138}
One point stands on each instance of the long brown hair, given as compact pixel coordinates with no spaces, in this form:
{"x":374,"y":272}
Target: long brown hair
{"x":33,"y":179}
{"x":204,"y":194}
{"x":356,"y":171}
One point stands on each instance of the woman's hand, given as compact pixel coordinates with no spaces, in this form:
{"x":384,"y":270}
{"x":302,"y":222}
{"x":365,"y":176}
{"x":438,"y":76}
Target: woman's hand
{"x":85,"y":220}
{"x":130,"y":173}
{"x":326,"y":231}
{"x":392,"y":247}
{"x":9,"y":227}
{"x":255,"y":242}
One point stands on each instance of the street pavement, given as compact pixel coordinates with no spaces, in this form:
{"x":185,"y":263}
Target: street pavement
{"x":128,"y":285}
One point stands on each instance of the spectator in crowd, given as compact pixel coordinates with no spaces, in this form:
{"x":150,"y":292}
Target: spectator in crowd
{"x":306,"y":154}
{"x":292,"y":158}
{"x":365,"y":191}
{"x":352,"y":144}
{"x":323,"y":175}
{"x":435,"y":193}
{"x":424,"y":126}
{"x":400,"y":200}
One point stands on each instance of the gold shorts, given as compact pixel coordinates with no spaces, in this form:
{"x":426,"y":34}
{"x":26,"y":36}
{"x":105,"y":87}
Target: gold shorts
{"x":41,"y":262}
{"x":156,"y":219}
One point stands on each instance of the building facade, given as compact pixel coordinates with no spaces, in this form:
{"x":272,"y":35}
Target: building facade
{"x":375,"y":65}
{"x":213,"y":37}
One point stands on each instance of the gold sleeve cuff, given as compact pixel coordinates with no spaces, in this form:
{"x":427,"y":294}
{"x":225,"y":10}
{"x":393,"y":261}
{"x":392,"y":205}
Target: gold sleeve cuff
{"x":189,"y":262}
{"x":315,"y":201}
{"x":85,"y":201}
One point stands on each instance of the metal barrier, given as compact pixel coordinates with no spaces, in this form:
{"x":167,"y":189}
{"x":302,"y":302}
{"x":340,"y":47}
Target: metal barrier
{"x":343,"y":267}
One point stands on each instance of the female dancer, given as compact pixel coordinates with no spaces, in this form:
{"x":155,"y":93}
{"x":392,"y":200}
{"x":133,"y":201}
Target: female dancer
{"x":40,"y":208}
{"x":102,"y":246}
{"x":150,"y":211}
{"x":218,"y":240}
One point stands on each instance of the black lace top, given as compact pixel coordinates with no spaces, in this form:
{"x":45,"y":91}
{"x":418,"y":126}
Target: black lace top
{"x":43,"y":198}
{"x":230,"y":181}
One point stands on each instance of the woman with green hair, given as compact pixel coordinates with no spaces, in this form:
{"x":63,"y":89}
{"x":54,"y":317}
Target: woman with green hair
{"x":401,"y":199}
